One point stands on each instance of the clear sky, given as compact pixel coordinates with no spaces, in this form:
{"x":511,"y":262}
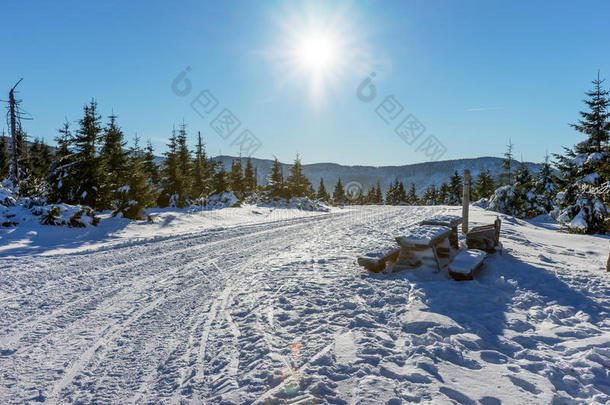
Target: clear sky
{"x":474,"y":73}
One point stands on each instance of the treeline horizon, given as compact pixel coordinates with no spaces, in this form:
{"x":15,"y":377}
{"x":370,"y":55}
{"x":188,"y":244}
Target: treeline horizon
{"x":92,"y":165}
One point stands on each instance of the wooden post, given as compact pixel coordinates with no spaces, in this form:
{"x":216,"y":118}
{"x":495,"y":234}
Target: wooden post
{"x":608,"y":264}
{"x":465,"y":201}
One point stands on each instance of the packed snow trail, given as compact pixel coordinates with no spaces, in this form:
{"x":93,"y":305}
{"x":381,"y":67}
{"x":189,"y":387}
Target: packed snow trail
{"x":279,"y":312}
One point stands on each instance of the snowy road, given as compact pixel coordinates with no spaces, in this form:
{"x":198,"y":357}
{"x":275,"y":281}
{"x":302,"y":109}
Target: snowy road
{"x":210,"y":317}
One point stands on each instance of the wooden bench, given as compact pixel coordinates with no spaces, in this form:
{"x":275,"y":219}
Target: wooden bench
{"x":466,"y":263}
{"x":418,"y":242}
{"x":377,"y":262}
{"x":451,"y":222}
{"x":486,"y":237}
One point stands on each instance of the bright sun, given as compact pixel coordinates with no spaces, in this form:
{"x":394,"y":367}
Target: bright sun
{"x":316,"y":52}
{"x":317,"y":49}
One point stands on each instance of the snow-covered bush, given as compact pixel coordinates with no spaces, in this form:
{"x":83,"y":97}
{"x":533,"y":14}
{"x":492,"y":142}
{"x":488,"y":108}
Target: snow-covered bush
{"x":583,"y":207}
{"x":481,"y":203}
{"x":222,"y":200}
{"x":15,"y":208}
{"x":302,"y":203}
{"x":518,"y":201}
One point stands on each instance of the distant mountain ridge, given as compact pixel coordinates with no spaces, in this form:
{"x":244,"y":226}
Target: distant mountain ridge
{"x":421,"y":174}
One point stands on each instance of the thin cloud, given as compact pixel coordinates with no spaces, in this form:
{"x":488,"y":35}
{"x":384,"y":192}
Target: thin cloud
{"x":483,"y":109}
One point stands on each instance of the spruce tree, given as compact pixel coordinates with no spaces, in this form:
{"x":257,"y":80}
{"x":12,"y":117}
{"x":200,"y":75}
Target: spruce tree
{"x":585,"y":171}
{"x":322,"y":194}
{"x":275,"y":183}
{"x":391,"y":196}
{"x":484,"y":185}
{"x":544,"y":186}
{"x":250,"y":182}
{"x":401,"y":194}
{"x":298,"y":185}
{"x":412,"y":195}
{"x":137,"y":194}
{"x":236,"y":178}
{"x":61,"y":176}
{"x":219,"y":179}
{"x":430,"y":196}
{"x":114,"y":157}
{"x":339,"y":197}
{"x":88,"y":168}
{"x":173,"y":177}
{"x":595,"y":122}
{"x":150,"y":165}
{"x":184,"y":166}
{"x":370,"y":199}
{"x":5,"y":158}
{"x":378,"y":194}
{"x":455,"y":189}
{"x":445,"y":194}
{"x":507,"y":163}
{"x":201,"y":172}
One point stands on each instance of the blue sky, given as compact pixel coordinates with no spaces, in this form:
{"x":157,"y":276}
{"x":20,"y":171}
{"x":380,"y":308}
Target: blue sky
{"x":474,"y":73}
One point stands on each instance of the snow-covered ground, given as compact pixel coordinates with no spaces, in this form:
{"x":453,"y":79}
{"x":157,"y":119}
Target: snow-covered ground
{"x":255,"y":305}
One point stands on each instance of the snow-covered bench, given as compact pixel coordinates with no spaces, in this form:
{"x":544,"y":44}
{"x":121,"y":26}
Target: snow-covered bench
{"x":466,"y":263}
{"x":424,"y":244}
{"x":486,"y":237}
{"x":451,"y":222}
{"x":377,"y":262}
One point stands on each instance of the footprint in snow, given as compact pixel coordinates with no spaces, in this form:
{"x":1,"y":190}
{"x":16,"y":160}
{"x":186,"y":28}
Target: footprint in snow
{"x":456,"y":396}
{"x":526,"y":385}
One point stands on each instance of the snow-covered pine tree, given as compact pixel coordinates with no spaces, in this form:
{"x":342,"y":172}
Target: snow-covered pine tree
{"x":484,"y":185}
{"x":518,"y":199}
{"x":444,"y":194}
{"x":40,"y":157}
{"x":401,"y":194}
{"x":250,"y":183}
{"x":322,"y":194}
{"x":430,"y":196}
{"x":507,"y":163}
{"x":544,"y":186}
{"x":581,"y":204}
{"x":219,"y":179}
{"x":201,"y":172}
{"x":137,"y":194}
{"x":114,"y":157}
{"x":236,"y":178}
{"x":298,"y":184}
{"x":87,"y":171}
{"x":339,"y":197}
{"x":175,"y":173}
{"x":184,"y":168}
{"x":61,"y":176}
{"x":455,"y":189}
{"x":412,"y":195}
{"x":275,"y":183}
{"x":391,"y":196}
{"x":5,"y":158}
{"x":378,"y":194}
{"x":150,"y":165}
{"x":370,"y":196}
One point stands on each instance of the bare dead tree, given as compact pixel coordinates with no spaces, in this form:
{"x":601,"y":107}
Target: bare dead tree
{"x":14,"y":117}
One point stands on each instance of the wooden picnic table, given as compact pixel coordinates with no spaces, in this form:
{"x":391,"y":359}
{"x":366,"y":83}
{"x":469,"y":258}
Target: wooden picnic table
{"x":418,"y":242}
{"x":450,"y":221}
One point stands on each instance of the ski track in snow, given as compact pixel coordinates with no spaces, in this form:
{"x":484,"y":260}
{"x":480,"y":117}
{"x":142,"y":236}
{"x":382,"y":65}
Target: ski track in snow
{"x":209,"y":317}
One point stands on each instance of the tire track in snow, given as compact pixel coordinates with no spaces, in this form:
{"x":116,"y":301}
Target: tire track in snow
{"x":8,"y":341}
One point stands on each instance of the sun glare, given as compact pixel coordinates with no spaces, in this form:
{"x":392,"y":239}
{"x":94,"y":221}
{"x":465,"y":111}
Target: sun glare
{"x":316,"y":52}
